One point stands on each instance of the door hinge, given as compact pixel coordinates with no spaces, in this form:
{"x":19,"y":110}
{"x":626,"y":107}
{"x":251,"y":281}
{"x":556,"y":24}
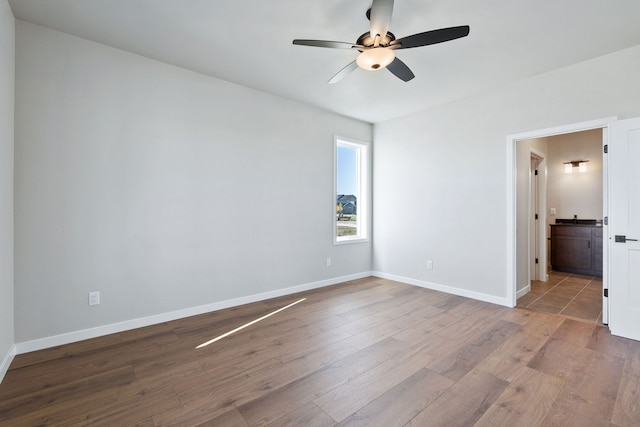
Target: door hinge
{"x":606,"y":293}
{"x":536,"y":216}
{"x":606,"y":148}
{"x":536,"y":260}
{"x":606,"y":220}
{"x":536,"y":172}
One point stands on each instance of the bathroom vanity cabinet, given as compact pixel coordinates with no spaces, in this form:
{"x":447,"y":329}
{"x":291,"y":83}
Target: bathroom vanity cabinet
{"x":576,"y":248}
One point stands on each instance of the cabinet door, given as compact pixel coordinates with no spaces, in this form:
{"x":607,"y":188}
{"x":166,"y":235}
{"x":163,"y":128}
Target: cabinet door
{"x":597,"y":250}
{"x":571,"y":252}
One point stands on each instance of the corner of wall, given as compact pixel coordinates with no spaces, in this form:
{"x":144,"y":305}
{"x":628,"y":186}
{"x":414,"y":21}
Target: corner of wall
{"x":7,"y":112}
{"x":6,"y":362}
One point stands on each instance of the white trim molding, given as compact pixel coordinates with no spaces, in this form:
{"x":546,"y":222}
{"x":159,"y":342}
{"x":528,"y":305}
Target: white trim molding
{"x":522,"y":292}
{"x":74,"y":336}
{"x":6,"y":362}
{"x":511,"y":141}
{"x":444,"y":288}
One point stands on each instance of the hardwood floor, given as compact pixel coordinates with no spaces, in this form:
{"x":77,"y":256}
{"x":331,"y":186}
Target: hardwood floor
{"x":566,"y":294}
{"x":368,"y":352}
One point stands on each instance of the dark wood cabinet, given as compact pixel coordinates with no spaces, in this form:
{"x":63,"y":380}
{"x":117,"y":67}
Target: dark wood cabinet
{"x":576,"y":248}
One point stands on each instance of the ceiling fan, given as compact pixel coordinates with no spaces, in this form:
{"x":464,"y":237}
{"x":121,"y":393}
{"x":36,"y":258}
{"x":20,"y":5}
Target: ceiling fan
{"x":377,"y":46}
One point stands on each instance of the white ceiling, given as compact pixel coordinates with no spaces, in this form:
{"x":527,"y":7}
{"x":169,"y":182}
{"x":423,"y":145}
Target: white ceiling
{"x":248,"y":42}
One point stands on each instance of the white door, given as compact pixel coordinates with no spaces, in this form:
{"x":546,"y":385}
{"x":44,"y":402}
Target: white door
{"x":624,"y":228}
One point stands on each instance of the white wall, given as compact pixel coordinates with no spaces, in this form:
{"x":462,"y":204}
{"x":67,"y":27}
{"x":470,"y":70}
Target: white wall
{"x":161,"y":188}
{"x":446,"y":168}
{"x":575,"y":193}
{"x":7,"y":53}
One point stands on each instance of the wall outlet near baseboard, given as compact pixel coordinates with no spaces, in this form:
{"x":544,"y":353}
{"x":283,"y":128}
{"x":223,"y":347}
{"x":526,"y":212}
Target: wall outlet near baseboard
{"x":429,"y":264}
{"x":328,"y":262}
{"x":94,"y":298}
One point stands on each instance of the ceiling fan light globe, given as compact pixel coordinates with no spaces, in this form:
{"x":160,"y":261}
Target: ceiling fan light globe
{"x":375,"y":59}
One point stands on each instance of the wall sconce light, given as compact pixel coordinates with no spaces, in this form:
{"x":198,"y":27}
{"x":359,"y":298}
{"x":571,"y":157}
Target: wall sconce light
{"x":580,"y":164}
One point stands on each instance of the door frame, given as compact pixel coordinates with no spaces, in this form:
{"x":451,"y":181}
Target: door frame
{"x":538,"y":237}
{"x":511,"y":141}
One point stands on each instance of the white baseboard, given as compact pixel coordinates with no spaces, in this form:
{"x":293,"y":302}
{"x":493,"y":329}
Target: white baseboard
{"x":8,"y":358}
{"x":522,"y":292}
{"x":69,"y":337}
{"x":443,"y":288}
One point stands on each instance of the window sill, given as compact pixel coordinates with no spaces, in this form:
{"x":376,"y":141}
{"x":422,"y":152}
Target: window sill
{"x":349,"y":241}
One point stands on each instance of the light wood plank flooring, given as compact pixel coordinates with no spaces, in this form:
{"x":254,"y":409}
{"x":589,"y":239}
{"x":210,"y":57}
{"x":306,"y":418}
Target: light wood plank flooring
{"x":369,"y":352}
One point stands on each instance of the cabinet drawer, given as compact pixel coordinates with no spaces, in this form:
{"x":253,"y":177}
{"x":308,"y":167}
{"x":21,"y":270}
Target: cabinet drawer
{"x":571,"y":231}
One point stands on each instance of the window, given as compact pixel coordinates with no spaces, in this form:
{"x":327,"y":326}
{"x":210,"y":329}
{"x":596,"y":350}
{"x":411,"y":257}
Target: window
{"x":351,"y":189}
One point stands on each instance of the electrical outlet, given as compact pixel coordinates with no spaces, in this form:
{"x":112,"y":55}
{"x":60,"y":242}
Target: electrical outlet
{"x":429,"y":264}
{"x":328,"y":262}
{"x":94,"y":298}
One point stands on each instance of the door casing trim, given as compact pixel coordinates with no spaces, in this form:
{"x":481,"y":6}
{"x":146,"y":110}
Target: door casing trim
{"x":511,"y":141}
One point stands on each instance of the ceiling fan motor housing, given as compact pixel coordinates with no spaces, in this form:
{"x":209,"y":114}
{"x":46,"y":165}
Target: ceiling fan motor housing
{"x":368,"y":41}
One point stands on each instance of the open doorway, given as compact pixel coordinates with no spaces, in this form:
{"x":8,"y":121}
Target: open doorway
{"x":571,"y":228}
{"x":556,"y":206}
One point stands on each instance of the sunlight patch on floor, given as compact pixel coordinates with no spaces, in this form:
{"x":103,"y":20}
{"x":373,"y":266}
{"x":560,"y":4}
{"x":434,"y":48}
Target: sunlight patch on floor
{"x":226,"y":334}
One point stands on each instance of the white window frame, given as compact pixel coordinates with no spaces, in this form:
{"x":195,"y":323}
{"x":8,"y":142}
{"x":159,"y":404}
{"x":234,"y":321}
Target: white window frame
{"x":363,"y":184}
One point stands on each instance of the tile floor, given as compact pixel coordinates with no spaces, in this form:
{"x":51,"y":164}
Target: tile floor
{"x":566,"y":294}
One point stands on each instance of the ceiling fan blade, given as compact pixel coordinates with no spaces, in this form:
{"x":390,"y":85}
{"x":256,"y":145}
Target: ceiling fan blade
{"x":400,"y":70}
{"x":327,"y":43}
{"x":381,"y":11}
{"x":343,"y":73}
{"x":431,"y":37}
